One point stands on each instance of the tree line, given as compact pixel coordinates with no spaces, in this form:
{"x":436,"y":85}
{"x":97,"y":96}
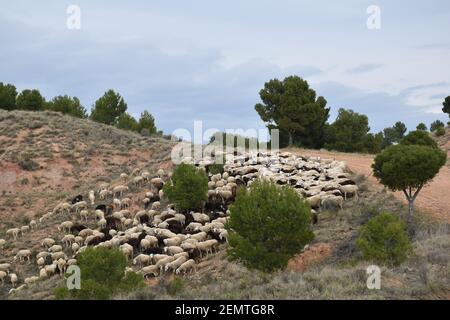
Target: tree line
{"x":109,"y":109}
{"x":301,"y":116}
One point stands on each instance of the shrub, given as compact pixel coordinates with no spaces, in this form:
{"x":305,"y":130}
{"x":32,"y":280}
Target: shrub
{"x":27,"y":164}
{"x":268,"y":225}
{"x":175,"y":286}
{"x":102,"y":275}
{"x":384,"y":239}
{"x":187,"y":188}
{"x":419,"y":137}
{"x":436,"y":124}
{"x":439,"y":132}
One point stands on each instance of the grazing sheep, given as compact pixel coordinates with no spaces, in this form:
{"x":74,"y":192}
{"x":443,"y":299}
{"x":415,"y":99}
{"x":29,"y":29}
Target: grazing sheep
{"x":119,"y":190}
{"x":33,"y":224}
{"x":30,"y":280}
{"x":50,"y":270}
{"x":150,"y":270}
{"x":40,"y":262}
{"x":13,"y":233}
{"x":3,"y":275}
{"x":102,"y":223}
{"x":161,"y":173}
{"x":172,"y":242}
{"x":65,"y":226}
{"x":199,"y":236}
{"x":175,"y":264}
{"x":156,"y":206}
{"x":75,"y":246}
{"x":223,"y":235}
{"x":207,"y":246}
{"x":137,"y":181}
{"x":103,"y":194}
{"x":55,"y":248}
{"x":5,"y":267}
{"x":22,"y":255}
{"x":92,"y":197}
{"x":349,"y":189}
{"x":124,"y":177}
{"x":173,"y":250}
{"x":61,"y":263}
{"x":68,"y":239}
{"x":47,"y":242}
{"x":193,"y":226}
{"x":157,"y":183}
{"x":85,"y":232}
{"x":125,"y":203}
{"x":160,"y":264}
{"x":84,"y":215}
{"x":142,"y":260}
{"x":186,"y":266}
{"x":79,"y":206}
{"x":14,"y":279}
{"x":117,"y":203}
{"x":200,"y":217}
{"x":2,"y":243}
{"x":43,"y":274}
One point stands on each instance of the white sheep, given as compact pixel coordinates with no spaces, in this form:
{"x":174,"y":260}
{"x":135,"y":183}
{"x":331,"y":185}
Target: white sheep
{"x":14,"y":279}
{"x":84,"y":215}
{"x":57,"y":255}
{"x":103,"y":194}
{"x":173,"y":250}
{"x":349,"y":189}
{"x":176,"y":241}
{"x":117,"y":203}
{"x":43,"y":274}
{"x":30,"y":280}
{"x":175,"y":264}
{"x":55,"y":248}
{"x":102,"y":223}
{"x":92,"y":197}
{"x":150,"y":270}
{"x":68,"y":239}
{"x":3,"y":275}
{"x":61,"y":263}
{"x":65,"y":226}
{"x":142,"y":260}
{"x":47,"y":242}
{"x":119,"y":190}
{"x":156,"y":206}
{"x":5,"y":267}
{"x":2,"y":243}
{"x":199,"y":236}
{"x":124,"y":177}
{"x":13,"y":233}
{"x":186,"y":266}
{"x":33,"y":224}
{"x":40,"y":262}
{"x":207,"y":246}
{"x":162,"y":263}
{"x":22,"y":255}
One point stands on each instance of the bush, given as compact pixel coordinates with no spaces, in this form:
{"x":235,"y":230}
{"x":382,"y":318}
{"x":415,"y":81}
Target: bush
{"x":384,"y":239}
{"x":175,"y":286}
{"x":436,"y":124}
{"x":102,"y":275}
{"x":27,"y":164}
{"x":439,"y":132}
{"x":268,"y":225}
{"x":419,"y":137}
{"x":187,"y":188}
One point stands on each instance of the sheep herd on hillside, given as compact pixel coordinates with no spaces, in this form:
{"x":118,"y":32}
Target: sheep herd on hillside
{"x":156,"y":238}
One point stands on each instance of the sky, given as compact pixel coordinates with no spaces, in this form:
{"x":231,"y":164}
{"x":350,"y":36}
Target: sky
{"x":207,"y":60}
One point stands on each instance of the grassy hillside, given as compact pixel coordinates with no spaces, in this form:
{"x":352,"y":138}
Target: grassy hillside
{"x":47,"y":156}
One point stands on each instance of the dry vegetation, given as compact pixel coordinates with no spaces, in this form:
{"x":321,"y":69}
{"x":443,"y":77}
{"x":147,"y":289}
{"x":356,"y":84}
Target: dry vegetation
{"x":47,"y":157}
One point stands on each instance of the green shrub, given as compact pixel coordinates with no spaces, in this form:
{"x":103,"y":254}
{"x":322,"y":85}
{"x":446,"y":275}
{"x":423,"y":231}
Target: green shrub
{"x":268,"y":225}
{"x":175,"y":286}
{"x":187,"y":188}
{"x":27,"y":164}
{"x":439,"y":132}
{"x":419,"y":137}
{"x":384,"y":239}
{"x":102,"y":275}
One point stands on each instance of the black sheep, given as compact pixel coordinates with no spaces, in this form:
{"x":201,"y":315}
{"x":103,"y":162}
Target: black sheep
{"x":189,"y":219}
{"x":134,"y":243}
{"x":112,"y":223}
{"x":214,"y":235}
{"x":154,"y":250}
{"x":101,"y":207}
{"x":77,"y":228}
{"x":144,"y":219}
{"x":78,"y":198}
{"x":142,"y":236}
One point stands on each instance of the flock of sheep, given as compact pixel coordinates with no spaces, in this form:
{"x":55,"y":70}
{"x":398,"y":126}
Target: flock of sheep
{"x":157,"y":239}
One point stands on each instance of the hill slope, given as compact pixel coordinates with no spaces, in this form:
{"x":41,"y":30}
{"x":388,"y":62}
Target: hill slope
{"x":47,"y":156}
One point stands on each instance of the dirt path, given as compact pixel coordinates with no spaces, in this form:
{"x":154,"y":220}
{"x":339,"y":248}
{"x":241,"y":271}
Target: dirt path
{"x":433,"y":199}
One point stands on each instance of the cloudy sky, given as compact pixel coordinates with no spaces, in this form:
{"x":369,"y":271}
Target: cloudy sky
{"x":206,"y":60}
